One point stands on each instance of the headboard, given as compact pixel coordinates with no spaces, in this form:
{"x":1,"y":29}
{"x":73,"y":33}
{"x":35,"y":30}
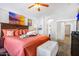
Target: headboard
{"x":11,"y":26}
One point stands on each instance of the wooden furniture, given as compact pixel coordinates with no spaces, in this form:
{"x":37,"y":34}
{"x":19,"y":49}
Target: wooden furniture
{"x":75,"y":43}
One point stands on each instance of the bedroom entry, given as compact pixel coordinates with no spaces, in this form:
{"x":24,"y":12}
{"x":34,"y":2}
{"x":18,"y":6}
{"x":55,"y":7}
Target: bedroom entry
{"x":67,"y":30}
{"x":65,"y":45}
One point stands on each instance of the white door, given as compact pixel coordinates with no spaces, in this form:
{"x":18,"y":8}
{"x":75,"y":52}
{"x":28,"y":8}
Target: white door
{"x":60,"y":31}
{"x":52,"y":29}
{"x":67,"y":30}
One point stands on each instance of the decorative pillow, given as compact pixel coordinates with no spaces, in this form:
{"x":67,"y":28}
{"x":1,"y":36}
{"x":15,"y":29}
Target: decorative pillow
{"x":24,"y":36}
{"x":31,"y":33}
{"x":16,"y":33}
{"x":25,"y":31}
{"x":8,"y":32}
{"x":28,"y":34}
{"x":20,"y":31}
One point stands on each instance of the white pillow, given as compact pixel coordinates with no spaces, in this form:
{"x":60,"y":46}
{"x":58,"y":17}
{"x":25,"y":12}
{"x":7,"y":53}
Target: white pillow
{"x":28,"y":34}
{"x":32,"y":33}
{"x":9,"y":33}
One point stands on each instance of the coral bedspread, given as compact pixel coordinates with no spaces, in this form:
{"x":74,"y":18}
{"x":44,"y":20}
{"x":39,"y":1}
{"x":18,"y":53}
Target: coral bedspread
{"x":21,"y":47}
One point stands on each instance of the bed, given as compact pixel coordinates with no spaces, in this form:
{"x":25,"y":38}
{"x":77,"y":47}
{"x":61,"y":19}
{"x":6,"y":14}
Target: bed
{"x":21,"y":47}
{"x":16,"y":46}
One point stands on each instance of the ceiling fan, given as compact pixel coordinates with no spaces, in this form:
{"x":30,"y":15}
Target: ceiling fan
{"x":38,"y":5}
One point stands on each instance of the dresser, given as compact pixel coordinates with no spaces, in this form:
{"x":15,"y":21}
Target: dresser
{"x":75,"y":43}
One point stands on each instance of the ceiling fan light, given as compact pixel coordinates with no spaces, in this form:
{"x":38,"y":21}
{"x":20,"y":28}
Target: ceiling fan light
{"x":38,"y":9}
{"x":37,"y":5}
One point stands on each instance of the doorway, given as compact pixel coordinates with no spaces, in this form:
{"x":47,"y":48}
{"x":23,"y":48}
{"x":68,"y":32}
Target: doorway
{"x":65,"y":45}
{"x":67,"y":30}
{"x":67,"y":39}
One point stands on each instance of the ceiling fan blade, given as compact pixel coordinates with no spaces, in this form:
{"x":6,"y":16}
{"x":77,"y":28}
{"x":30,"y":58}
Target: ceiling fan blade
{"x":31,"y":6}
{"x":46,"y":5}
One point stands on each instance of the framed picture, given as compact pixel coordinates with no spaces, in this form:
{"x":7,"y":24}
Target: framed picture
{"x":16,"y":19}
{"x":29,"y":22}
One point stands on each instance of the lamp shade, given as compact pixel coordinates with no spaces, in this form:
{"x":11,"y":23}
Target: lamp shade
{"x":77,"y":16}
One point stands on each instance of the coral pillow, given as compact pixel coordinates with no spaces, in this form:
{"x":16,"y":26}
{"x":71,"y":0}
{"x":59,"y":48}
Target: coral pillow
{"x":20,"y":32}
{"x":16,"y":33}
{"x":25,"y":31}
{"x":8,"y":32}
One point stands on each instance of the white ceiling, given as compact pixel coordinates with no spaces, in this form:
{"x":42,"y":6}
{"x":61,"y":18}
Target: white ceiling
{"x":56,"y":10}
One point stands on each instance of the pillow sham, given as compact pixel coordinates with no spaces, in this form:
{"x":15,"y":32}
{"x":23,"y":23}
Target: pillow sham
{"x":14,"y":32}
{"x":8,"y":32}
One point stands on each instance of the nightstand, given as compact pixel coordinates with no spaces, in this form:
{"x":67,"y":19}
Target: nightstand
{"x":1,"y":42}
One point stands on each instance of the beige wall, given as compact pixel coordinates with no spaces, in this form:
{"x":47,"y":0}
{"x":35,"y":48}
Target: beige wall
{"x":4,"y":16}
